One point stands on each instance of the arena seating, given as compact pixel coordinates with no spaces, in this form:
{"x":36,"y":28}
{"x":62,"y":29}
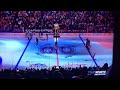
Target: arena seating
{"x":69,"y":21}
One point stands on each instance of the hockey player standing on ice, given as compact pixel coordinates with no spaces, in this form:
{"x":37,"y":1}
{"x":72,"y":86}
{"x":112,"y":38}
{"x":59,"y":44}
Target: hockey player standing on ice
{"x":88,"y":46}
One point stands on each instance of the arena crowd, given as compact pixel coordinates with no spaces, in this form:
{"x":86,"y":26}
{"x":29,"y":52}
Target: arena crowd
{"x":54,"y":73}
{"x":83,"y":21}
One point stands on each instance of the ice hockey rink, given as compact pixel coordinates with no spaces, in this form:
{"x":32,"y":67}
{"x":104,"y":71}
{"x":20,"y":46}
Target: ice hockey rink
{"x":17,"y":51}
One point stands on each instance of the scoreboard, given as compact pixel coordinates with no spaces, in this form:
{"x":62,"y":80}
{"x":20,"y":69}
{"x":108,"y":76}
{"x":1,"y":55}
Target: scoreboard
{"x":97,"y":73}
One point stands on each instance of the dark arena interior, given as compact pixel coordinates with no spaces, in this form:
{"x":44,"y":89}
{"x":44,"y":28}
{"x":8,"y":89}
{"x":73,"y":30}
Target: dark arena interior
{"x":56,"y":44}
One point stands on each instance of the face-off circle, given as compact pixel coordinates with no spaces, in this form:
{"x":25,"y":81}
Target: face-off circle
{"x":62,"y":49}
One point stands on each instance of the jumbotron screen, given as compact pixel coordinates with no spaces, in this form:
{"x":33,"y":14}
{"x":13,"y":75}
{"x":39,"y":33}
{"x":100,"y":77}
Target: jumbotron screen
{"x":81,"y":39}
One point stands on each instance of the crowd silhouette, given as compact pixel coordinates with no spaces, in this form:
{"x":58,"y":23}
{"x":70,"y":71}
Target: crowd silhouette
{"x":54,"y":73}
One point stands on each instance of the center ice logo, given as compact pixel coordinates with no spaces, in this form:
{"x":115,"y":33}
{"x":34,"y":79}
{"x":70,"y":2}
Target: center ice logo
{"x":61,"y":49}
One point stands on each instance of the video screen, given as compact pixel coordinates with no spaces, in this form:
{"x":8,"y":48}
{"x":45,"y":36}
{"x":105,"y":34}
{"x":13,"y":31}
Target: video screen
{"x":67,"y":41}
